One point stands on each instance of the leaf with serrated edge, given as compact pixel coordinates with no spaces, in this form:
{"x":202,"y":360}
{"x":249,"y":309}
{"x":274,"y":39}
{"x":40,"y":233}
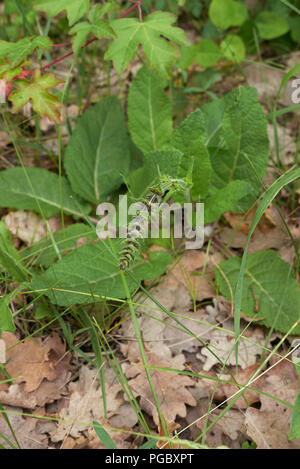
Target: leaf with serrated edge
{"x":75,"y":8}
{"x":98,"y":151}
{"x":149,"y":111}
{"x":92,"y":272}
{"x":39,"y":190}
{"x":44,"y":103}
{"x":269,"y":283}
{"x":131,"y":32}
{"x":15,"y":52}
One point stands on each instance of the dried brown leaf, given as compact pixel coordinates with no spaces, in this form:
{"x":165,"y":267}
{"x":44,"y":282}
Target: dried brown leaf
{"x":41,"y":370}
{"x":269,"y":425}
{"x":170,"y":387}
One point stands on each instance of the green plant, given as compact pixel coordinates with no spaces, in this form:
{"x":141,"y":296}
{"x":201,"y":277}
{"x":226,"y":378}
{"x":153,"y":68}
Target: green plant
{"x":129,"y":144}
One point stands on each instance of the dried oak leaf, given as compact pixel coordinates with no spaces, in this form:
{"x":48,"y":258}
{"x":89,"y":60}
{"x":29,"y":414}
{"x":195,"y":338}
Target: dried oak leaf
{"x":200,"y":323}
{"x":92,"y":440}
{"x":40,"y":369}
{"x":85,"y":404}
{"x":170,"y":388}
{"x":269,"y":426}
{"x":187,"y":276}
{"x":229,"y":430}
{"x":243,"y":378}
{"x":222,"y":343}
{"x":26,"y":430}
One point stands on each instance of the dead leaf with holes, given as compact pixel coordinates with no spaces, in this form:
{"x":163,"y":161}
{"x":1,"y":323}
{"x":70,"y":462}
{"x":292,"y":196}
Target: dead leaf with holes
{"x":171,"y":387}
{"x":222,"y":343}
{"x":269,"y":426}
{"x":40,"y":370}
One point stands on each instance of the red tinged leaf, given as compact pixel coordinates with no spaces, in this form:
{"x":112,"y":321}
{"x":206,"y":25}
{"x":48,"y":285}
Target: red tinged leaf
{"x":43,"y":102}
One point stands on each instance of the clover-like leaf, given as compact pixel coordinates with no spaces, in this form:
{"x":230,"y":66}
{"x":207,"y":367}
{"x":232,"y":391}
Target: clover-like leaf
{"x":131,"y":33}
{"x":43,"y":102}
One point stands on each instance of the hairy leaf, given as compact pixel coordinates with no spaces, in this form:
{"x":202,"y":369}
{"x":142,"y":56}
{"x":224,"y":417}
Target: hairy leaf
{"x":268,"y":284}
{"x":98,"y":153}
{"x":92,"y":271}
{"x":39,"y":190}
{"x":237,"y":140}
{"x":149,"y":111}
{"x":189,"y":138}
{"x":45,"y":252}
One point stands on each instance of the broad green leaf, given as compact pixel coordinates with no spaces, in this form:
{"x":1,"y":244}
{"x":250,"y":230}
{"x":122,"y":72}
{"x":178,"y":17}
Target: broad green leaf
{"x":165,"y":163}
{"x":45,"y":252}
{"x":9,"y":256}
{"x":96,"y":26}
{"x":207,"y":53}
{"x":294,"y":23}
{"x":225,"y":199}
{"x":295,"y":422}
{"x":189,"y":138}
{"x":43,"y":102}
{"x":98,"y":152}
{"x":76,"y":9}
{"x":131,"y":33}
{"x":226,"y":13}
{"x":237,"y":140}
{"x":39,"y":190}
{"x":268,"y":280}
{"x":92,"y":271}
{"x":270,"y":25}
{"x":233,"y":48}
{"x":15,"y":52}
{"x":149,"y":111}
